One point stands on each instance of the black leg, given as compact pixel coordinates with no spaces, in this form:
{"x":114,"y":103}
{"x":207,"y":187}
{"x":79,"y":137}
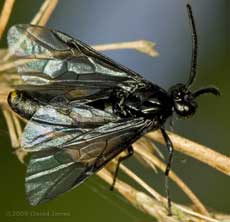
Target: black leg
{"x":168,"y":167}
{"x":130,"y":153}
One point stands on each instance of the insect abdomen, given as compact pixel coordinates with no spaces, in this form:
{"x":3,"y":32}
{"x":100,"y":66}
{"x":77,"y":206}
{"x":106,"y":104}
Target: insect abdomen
{"x":21,"y":103}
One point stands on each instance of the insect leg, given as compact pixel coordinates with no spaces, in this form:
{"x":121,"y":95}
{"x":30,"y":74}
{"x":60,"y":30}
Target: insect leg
{"x":95,"y":166}
{"x":130,"y":153}
{"x":168,"y":167}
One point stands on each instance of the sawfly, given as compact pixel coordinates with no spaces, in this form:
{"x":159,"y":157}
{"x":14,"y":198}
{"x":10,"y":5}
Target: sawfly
{"x":84,"y":109}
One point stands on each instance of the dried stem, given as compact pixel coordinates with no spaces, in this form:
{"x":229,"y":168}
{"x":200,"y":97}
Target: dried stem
{"x":143,"y":46}
{"x":13,"y":64}
{"x":195,"y":150}
{"x":5,"y":15}
{"x":11,"y":128}
{"x":18,"y":127}
{"x":138,"y":180}
{"x":136,"y":198}
{"x":144,"y":153}
{"x":4,"y":94}
{"x":41,"y":18}
{"x":44,"y":13}
{"x":151,"y":206}
{"x":15,"y":132}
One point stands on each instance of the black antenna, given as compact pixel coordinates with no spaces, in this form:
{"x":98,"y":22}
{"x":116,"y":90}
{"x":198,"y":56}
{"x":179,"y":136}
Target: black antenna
{"x":192,"y":75}
{"x":206,"y":90}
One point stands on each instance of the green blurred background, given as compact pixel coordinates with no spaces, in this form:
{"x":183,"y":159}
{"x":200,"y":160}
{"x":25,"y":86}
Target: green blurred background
{"x":166,"y":23}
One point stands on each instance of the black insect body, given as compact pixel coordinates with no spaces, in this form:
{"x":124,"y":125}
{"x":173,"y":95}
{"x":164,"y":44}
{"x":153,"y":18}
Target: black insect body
{"x":84,"y":109}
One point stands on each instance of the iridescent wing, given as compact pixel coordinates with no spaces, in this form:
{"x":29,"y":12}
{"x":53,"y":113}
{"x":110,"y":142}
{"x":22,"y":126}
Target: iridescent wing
{"x":57,"y":62}
{"x":68,"y":153}
{"x":54,"y":126}
{"x":51,"y":173}
{"x":69,"y":140}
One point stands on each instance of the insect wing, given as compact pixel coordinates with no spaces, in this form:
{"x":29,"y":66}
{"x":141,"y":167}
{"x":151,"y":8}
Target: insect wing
{"x":55,"y":171}
{"x":69,"y":143}
{"x":56,"y":59}
{"x":51,"y":173}
{"x":101,"y":144}
{"x":54,"y":126}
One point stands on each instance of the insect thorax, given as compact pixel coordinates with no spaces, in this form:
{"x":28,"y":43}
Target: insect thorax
{"x":150,"y":102}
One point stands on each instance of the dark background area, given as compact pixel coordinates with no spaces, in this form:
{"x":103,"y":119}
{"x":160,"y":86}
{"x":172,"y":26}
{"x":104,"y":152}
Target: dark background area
{"x":166,"y":23}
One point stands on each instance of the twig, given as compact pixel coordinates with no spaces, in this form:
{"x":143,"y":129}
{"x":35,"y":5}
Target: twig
{"x":18,"y":127}
{"x":12,"y":64}
{"x":3,"y":52}
{"x":44,"y":13}
{"x":40,"y":12}
{"x":21,"y":153}
{"x":136,"y":198}
{"x":141,"y":151}
{"x":5,"y":15}
{"x":10,"y":124}
{"x":138,"y":180}
{"x":195,"y":150}
{"x":15,"y":133}
{"x":4,"y":94}
{"x":222,"y":217}
{"x":192,"y":213}
{"x":44,"y":19}
{"x":143,"y":46}
{"x":41,"y":17}
{"x":150,"y":206}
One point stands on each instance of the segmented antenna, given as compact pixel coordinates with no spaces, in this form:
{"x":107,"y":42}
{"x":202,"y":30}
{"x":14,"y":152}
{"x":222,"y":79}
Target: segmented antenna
{"x":193,"y":68}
